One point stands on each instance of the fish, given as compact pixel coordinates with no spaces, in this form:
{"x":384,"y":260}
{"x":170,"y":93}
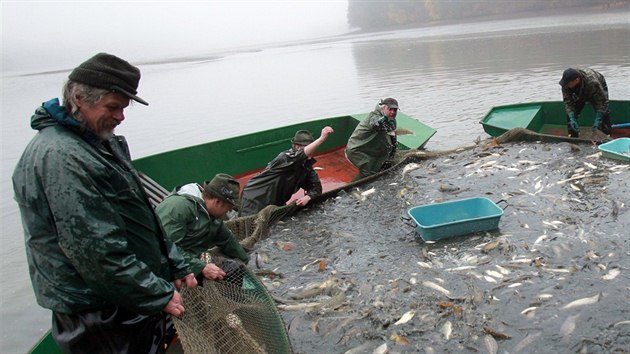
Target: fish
{"x":308,"y":306}
{"x":528,"y":310}
{"x":309,"y":264}
{"x":447,"y":330}
{"x":526,"y":341}
{"x":489,"y":279}
{"x":403,"y":131}
{"x":491,"y":345}
{"x":494,"y":274}
{"x":398,"y":339}
{"x":427,"y":265}
{"x":612,"y":274}
{"x":410,"y":167}
{"x":622,"y":323}
{"x":496,"y":334}
{"x":406,"y":317}
{"x":361,"y":349}
{"x":368,"y":192}
{"x":583,"y":301}
{"x":381,"y":349}
{"x":434,"y":286}
{"x":568,"y":326}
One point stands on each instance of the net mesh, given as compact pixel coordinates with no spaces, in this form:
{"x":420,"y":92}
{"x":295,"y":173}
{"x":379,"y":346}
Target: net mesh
{"x":234,"y":315}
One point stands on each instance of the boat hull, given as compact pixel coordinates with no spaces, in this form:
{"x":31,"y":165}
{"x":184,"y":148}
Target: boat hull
{"x":549,"y":118}
{"x":244,"y":156}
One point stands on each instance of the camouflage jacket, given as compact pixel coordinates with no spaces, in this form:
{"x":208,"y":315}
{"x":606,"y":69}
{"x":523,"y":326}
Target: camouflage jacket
{"x":372,"y":143}
{"x":193,"y":230}
{"x":592,"y":89}
{"x":92,"y":238}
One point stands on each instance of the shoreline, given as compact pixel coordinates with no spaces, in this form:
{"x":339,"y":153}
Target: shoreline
{"x":615,"y":8}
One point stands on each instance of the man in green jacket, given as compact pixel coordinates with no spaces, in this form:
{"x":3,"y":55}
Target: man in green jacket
{"x":192,"y":216}
{"x":373,"y":143}
{"x":96,"y":252}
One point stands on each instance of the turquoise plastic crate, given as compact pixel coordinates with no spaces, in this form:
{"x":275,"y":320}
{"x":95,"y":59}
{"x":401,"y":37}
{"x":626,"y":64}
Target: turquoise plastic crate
{"x":618,"y":149}
{"x":456,"y":218}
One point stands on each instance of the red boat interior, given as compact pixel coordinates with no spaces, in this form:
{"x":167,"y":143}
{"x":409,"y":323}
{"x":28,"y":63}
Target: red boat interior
{"x":333,"y":168}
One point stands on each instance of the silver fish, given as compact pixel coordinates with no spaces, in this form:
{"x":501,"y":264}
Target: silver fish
{"x":583,"y":301}
{"x":568,"y":326}
{"x":491,"y":344}
{"x":447,"y":330}
{"x":434,"y":286}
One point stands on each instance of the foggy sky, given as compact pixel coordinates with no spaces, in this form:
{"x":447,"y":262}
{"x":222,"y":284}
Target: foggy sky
{"x":50,"y":35}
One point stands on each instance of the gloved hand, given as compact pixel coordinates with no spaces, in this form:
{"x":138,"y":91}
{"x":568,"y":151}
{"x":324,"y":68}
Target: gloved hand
{"x":599,"y":119}
{"x":574,"y":127}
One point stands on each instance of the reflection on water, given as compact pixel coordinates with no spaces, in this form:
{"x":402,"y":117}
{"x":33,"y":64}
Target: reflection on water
{"x":445,"y":76}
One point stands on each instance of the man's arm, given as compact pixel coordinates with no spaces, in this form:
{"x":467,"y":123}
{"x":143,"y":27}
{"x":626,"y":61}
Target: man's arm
{"x":309,"y":149}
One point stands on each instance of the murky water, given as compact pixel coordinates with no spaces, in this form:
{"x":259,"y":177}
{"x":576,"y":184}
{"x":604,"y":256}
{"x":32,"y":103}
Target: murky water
{"x":554,"y":275}
{"x":446,"y":76}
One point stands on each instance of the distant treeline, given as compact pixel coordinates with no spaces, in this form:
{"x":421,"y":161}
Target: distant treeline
{"x":379,"y":14}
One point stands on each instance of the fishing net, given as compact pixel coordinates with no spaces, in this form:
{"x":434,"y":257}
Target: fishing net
{"x":234,"y":315}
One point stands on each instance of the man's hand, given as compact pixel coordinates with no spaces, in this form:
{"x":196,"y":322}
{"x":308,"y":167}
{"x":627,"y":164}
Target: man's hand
{"x":303,"y":201}
{"x":175,"y":306}
{"x":189,"y":280}
{"x":326,"y":131}
{"x":213,"y":272}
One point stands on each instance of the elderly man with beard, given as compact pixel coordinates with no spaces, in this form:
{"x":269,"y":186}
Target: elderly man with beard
{"x":97,"y":254}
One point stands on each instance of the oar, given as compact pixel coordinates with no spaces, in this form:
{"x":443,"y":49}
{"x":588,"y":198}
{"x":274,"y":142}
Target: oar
{"x":622,"y":125}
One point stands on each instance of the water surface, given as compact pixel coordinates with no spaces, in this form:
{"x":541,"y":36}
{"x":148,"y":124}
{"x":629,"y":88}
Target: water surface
{"x":446,"y":76}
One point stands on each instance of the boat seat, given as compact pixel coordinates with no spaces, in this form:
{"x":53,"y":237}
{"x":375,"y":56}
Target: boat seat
{"x":154,"y":190}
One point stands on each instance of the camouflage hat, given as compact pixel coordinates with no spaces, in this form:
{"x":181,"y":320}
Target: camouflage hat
{"x":568,"y":75}
{"x":106,"y":71}
{"x":390,"y":102}
{"x":224,"y":187}
{"x":302,"y":137}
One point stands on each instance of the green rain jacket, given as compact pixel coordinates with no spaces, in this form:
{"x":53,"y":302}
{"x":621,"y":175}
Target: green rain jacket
{"x":92,"y":238}
{"x":372,"y":143}
{"x":189,"y":225}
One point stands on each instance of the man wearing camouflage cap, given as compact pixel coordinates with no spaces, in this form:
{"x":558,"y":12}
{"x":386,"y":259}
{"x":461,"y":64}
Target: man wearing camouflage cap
{"x":97,"y":254}
{"x":578,"y":87}
{"x":192,"y":216}
{"x":286,"y":174}
{"x":373,"y":143}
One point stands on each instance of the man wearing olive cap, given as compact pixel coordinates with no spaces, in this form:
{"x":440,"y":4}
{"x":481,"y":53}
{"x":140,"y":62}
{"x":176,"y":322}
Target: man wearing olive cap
{"x":286,"y":174}
{"x":97,"y":254}
{"x":192,"y":216}
{"x":578,"y":87}
{"x":373,"y":143}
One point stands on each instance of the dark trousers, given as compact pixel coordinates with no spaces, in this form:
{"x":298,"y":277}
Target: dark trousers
{"x":110,"y":331}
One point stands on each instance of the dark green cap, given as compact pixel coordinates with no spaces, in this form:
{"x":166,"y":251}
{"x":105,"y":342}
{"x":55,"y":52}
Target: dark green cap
{"x":106,"y":71}
{"x":224,"y":187}
{"x":302,"y":137}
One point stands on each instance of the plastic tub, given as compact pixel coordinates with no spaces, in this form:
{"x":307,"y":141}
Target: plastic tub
{"x":456,"y":218}
{"x":618,"y":149}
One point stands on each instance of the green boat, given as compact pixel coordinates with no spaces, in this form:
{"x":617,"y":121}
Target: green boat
{"x":548,"y":119}
{"x":244,"y":156}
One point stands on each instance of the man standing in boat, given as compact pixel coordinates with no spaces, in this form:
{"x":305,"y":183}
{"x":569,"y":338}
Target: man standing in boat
{"x":192,"y":216}
{"x":286,"y":174}
{"x":97,"y":255}
{"x":372,"y":145}
{"x":578,"y":87}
